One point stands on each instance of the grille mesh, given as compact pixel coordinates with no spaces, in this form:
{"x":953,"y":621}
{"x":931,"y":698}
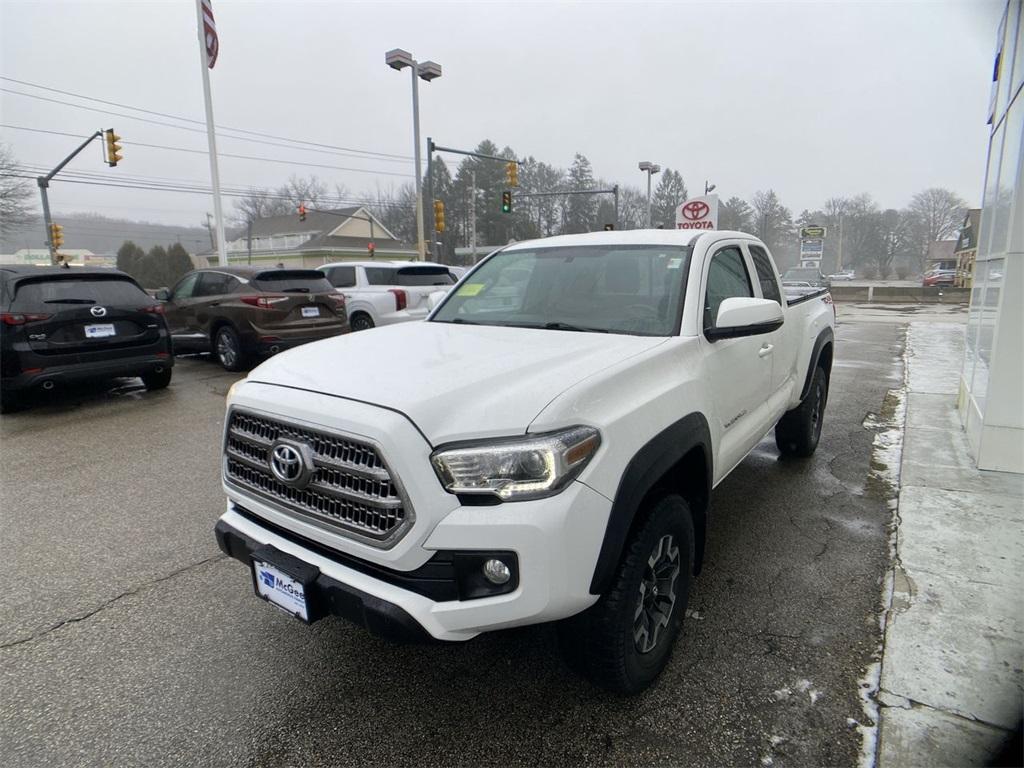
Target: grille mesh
{"x":350,"y":488}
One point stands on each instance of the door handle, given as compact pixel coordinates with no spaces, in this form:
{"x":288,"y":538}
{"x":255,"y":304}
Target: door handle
{"x":765,"y":350}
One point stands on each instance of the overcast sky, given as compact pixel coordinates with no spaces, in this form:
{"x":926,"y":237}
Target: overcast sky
{"x":811,"y":99}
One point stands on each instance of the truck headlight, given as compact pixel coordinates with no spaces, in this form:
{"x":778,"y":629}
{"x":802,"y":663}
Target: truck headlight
{"x":516,"y":469}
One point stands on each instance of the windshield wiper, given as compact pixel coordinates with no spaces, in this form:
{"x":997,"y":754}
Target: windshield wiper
{"x":69,"y":301}
{"x":460,"y":321}
{"x":557,"y":326}
{"x":295,"y":290}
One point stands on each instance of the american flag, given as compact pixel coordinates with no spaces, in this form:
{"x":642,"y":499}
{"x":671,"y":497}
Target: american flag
{"x":210,"y":34}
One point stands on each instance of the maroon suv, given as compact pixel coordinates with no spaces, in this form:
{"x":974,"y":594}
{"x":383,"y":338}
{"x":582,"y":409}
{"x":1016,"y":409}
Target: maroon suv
{"x":242,"y":312}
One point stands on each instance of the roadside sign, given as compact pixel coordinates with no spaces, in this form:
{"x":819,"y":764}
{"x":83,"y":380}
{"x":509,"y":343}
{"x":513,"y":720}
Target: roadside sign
{"x":812,"y":246}
{"x":812,"y":232}
{"x":698,"y":213}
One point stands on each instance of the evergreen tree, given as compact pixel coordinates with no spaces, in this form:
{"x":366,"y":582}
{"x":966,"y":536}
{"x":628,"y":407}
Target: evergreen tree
{"x":580,"y":210}
{"x":668,"y":196}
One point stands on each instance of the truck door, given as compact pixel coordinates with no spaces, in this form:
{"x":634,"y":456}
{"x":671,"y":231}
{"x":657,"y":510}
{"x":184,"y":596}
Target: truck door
{"x":783,"y":342}
{"x":739,"y":369}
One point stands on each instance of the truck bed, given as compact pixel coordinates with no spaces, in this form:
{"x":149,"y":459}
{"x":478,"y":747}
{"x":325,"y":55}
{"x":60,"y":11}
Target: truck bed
{"x":798,"y":295}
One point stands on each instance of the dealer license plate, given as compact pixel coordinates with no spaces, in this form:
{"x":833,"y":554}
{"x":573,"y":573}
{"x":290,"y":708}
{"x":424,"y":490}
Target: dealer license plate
{"x":99,"y":331}
{"x":280,"y":589}
{"x":311,"y":311}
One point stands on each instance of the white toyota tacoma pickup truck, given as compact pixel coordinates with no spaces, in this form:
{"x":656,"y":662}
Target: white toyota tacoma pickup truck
{"x":542,"y":448}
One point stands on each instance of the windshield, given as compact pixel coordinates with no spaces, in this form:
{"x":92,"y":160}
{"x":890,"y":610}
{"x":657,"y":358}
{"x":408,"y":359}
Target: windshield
{"x":629,"y":289}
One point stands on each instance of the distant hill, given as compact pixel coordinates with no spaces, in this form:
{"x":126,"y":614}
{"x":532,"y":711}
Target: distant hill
{"x":103,"y":235}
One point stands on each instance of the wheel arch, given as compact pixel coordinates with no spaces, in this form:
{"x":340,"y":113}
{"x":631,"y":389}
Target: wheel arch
{"x":821,"y":355}
{"x":678,"y":460}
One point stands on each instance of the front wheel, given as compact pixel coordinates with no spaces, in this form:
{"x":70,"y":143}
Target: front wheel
{"x":798,"y":432}
{"x":228,"y":347}
{"x":624,"y":641}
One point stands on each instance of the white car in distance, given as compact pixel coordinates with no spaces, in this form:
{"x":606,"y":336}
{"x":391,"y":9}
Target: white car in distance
{"x":387,"y":292}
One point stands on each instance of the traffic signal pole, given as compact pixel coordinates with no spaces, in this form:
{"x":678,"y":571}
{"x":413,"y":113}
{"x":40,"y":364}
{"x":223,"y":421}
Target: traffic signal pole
{"x":44,"y":184}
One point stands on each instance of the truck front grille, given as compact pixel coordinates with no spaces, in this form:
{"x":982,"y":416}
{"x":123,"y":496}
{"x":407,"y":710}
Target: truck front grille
{"x":351,"y":489}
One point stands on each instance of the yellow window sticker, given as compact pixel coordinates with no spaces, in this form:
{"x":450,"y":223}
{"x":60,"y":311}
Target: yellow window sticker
{"x":470,"y":289}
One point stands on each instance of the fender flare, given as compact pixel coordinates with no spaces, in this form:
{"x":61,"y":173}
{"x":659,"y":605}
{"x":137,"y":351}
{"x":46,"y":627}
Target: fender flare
{"x":825,"y":338}
{"x":645,"y":471}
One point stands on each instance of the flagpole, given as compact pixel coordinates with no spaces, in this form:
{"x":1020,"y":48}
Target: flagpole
{"x":218,"y":213}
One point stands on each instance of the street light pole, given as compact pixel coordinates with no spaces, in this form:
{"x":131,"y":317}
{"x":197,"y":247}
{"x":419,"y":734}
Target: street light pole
{"x":421,"y":245}
{"x":650,"y":169}
{"x":427,"y":70}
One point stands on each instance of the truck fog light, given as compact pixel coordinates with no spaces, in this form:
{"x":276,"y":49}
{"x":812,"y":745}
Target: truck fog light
{"x":496,"y":572}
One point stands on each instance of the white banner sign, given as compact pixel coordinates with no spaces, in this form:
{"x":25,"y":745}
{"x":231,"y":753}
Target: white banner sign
{"x":698,"y":213}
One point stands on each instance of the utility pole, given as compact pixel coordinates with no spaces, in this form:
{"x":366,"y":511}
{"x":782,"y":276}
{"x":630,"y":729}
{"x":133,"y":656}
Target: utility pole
{"x":472,"y":213}
{"x":840,"y":259}
{"x":248,"y":237}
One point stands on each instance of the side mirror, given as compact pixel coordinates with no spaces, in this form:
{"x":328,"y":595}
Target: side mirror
{"x":164,"y":294}
{"x":742,"y":316}
{"x":435,"y":298}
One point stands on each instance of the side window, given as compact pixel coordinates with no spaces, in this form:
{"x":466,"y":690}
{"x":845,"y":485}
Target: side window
{"x":186,"y":286}
{"x":214,"y":284}
{"x":765,"y":274}
{"x":727,"y":278}
{"x":342,"y":277}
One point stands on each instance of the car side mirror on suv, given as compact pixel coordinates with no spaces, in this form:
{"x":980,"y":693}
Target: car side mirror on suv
{"x":743,"y":316}
{"x":163,"y":294}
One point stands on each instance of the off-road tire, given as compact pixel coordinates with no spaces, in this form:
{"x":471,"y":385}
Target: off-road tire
{"x":599,"y":643}
{"x":157,"y":379}
{"x":227,"y":346}
{"x":360,"y":321}
{"x":798,"y":432}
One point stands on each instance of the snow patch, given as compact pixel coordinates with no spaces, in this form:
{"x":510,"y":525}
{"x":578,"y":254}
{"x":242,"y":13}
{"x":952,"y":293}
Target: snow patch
{"x":695,"y":615}
{"x":867,"y":689}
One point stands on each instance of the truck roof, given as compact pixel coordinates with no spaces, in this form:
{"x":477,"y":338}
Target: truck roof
{"x":677,"y":237}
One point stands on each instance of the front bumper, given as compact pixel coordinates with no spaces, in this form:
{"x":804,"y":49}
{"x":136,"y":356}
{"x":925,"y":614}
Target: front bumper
{"x":555,"y":543}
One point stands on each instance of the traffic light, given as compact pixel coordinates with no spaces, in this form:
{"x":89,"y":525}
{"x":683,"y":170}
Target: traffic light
{"x":302,"y":212}
{"x":113,"y":148}
{"x":439,"y":215}
{"x":512,"y":174}
{"x":56,"y":236}
{"x":370,"y":248}
{"x":506,"y":201}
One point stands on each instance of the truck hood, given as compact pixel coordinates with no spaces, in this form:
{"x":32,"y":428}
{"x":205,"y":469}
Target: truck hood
{"x":454,"y":382}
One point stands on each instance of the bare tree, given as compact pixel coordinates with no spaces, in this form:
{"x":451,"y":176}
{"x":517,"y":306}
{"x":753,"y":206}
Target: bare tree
{"x":259,"y":203}
{"x":935,"y":214}
{"x":15,"y":192}
{"x":771,"y":219}
{"x":309,"y":190}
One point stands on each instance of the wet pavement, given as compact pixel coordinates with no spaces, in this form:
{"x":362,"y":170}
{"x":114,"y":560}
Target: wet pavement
{"x":125,"y":638}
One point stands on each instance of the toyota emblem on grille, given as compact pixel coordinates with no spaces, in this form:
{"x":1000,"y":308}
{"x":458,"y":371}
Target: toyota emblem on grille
{"x":291,"y":463}
{"x":98,"y":311}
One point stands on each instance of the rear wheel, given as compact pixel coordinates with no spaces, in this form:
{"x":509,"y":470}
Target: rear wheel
{"x":228,"y":348}
{"x":361,"y":321}
{"x":625,"y":640}
{"x":798,"y":432}
{"x":157,"y":379}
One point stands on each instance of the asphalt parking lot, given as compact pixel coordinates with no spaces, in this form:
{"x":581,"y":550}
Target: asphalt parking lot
{"x":126,"y":638}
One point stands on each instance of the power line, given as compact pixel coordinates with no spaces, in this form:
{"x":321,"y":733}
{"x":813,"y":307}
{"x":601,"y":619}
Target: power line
{"x":226,"y":154}
{"x":74,"y":178}
{"x":382,"y":155}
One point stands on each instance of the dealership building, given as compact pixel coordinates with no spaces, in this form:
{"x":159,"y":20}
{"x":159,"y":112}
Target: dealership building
{"x":991,"y":398}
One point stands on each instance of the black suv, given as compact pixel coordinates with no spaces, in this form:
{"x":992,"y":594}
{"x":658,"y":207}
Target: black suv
{"x":62,"y":325}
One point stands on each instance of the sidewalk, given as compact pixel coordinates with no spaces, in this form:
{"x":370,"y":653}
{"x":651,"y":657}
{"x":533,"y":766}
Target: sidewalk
{"x":951,"y":679}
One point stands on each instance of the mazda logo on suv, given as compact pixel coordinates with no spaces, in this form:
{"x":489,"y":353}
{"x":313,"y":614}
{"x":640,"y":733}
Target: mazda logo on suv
{"x":98,"y":311}
{"x":291,"y":462}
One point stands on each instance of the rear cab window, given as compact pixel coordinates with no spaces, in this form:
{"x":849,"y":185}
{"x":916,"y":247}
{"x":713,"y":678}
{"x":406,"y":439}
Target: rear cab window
{"x":51,"y":293}
{"x":292,"y":281}
{"x":765,"y":274}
